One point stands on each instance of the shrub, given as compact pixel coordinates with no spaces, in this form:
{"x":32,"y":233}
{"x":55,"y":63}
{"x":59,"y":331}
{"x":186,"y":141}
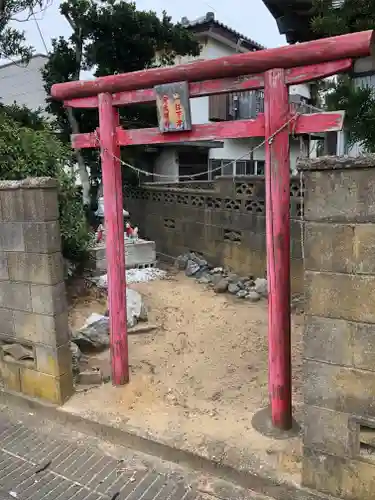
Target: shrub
{"x":37,"y":152}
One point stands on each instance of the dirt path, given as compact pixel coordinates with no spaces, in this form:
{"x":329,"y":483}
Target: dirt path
{"x":198,"y":378}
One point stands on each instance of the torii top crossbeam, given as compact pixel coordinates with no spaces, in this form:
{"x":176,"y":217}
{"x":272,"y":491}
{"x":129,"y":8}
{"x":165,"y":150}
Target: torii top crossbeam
{"x":354,"y":45}
{"x":272,"y":70}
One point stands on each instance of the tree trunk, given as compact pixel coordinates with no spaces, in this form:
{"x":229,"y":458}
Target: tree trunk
{"x":74,"y":125}
{"x":83,"y":174}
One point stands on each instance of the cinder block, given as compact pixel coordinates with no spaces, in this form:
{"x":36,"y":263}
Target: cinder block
{"x":49,"y":299}
{"x":139,"y":252}
{"x":11,"y":237}
{"x":43,"y":269}
{"x":6,"y":322}
{"x":329,"y":247}
{"x":12,"y":207}
{"x":39,"y":385}
{"x":330,"y":431}
{"x":40,"y":205}
{"x":42,"y":237}
{"x":363,"y":346}
{"x":90,"y":377}
{"x":49,"y":330}
{"x":342,"y":389}
{"x":4,"y":274}
{"x":340,"y":477}
{"x":328,"y":340}
{"x":225,"y":186}
{"x":53,"y":361}
{"x":215,"y":233}
{"x":364,"y":248}
{"x":340,"y":196}
{"x":10,"y":375}
{"x":340,"y":296}
{"x":15,"y":296}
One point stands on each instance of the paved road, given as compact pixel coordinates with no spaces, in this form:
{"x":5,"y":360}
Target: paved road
{"x":35,"y":467}
{"x":41,"y":459}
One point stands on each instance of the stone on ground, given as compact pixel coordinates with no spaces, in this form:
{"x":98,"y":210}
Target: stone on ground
{"x":254,"y":296}
{"x":191,"y":268}
{"x":233,"y":288}
{"x":221,"y":286}
{"x":261,"y":287}
{"x":135,"y":307}
{"x":181,"y":262}
{"x":205,"y":279}
{"x":93,"y":337}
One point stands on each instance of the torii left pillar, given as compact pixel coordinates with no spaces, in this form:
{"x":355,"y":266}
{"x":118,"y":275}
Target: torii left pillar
{"x":114,"y":224}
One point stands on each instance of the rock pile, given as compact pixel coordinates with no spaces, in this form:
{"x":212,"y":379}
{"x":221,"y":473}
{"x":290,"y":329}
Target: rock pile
{"x":221,"y":280}
{"x":93,"y":337}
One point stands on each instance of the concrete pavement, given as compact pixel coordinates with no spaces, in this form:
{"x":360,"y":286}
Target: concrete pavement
{"x":41,"y":460}
{"x":35,"y":468}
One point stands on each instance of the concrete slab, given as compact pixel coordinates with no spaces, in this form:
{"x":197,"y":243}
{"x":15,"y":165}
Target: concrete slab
{"x":138,"y":253}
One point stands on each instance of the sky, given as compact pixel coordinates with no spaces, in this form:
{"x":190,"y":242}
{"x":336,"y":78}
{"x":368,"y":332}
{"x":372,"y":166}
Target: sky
{"x":249,"y":17}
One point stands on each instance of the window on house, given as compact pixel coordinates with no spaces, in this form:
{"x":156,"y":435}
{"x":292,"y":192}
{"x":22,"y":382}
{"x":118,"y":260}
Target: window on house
{"x":236,"y":168}
{"x":214,"y":168}
{"x":260,"y":167}
{"x":240,"y":167}
{"x":227,"y":167}
{"x":245,"y":167}
{"x":220,"y":167}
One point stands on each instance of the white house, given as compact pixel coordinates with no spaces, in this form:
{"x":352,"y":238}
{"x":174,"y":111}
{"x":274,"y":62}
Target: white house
{"x":23,"y":83}
{"x":233,"y":155}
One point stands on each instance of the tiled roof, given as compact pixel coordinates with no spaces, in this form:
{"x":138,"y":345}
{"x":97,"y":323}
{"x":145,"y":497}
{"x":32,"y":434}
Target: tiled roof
{"x":210,"y":21}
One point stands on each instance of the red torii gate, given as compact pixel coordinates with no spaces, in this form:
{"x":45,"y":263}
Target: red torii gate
{"x":276,"y":69}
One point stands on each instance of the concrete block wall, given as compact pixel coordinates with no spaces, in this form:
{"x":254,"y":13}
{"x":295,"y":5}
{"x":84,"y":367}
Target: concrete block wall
{"x":223,"y":219}
{"x":35,"y":356}
{"x":339,"y":336}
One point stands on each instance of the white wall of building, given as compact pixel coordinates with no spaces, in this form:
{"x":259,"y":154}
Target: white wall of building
{"x":23,"y":84}
{"x":233,"y":148}
{"x":236,"y":149}
{"x":302,"y":90}
{"x":210,"y":49}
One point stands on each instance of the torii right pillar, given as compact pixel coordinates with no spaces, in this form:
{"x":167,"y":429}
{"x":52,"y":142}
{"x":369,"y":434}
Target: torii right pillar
{"x":276,"y":102}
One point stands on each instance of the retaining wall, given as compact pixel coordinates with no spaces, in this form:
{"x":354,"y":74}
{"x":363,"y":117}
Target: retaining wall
{"x":224,"y":220}
{"x":35,"y":357}
{"x":339,"y":337}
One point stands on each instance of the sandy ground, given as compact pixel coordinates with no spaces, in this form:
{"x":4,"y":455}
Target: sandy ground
{"x":197,"y":380}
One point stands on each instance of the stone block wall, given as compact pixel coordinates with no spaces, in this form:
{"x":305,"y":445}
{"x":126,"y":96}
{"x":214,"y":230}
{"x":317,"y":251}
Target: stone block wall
{"x":339,"y":336}
{"x":35,"y":356}
{"x":223,"y":219}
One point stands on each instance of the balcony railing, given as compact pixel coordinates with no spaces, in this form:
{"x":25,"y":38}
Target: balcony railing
{"x":236,"y":106}
{"x":247,"y":105}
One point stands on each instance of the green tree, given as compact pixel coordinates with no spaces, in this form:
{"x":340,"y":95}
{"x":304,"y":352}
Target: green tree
{"x":30,"y":148}
{"x":331,"y":18}
{"x":110,"y":37}
{"x":12,"y":39}
{"x":338,"y":18}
